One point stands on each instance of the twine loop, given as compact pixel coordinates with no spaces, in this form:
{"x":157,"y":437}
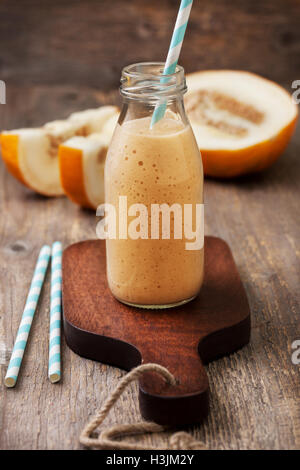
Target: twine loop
{"x":106,"y":439}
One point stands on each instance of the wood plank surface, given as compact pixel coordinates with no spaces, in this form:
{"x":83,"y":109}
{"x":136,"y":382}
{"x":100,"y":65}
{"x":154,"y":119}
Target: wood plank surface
{"x":60,"y":56}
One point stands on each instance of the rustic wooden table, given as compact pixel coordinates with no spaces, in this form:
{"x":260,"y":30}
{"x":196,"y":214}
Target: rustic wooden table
{"x":67,"y":55}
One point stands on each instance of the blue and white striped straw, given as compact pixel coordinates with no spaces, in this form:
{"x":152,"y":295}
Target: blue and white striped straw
{"x":27,"y":317}
{"x":173,"y":54}
{"x":54,"y":369}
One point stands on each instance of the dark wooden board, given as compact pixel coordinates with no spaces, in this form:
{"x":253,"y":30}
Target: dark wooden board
{"x":99,"y":327}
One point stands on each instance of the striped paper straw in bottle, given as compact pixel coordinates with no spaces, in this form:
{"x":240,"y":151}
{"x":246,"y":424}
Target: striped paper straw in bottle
{"x":173,"y":54}
{"x":54,"y":370}
{"x":27,"y":317}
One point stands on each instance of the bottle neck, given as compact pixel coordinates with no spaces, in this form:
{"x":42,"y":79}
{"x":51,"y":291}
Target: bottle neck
{"x":136,"y":109}
{"x":147,"y":82}
{"x":144,"y":86}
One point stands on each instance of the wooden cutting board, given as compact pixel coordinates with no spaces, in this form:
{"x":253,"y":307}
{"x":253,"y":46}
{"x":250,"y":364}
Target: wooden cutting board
{"x":98,"y":327}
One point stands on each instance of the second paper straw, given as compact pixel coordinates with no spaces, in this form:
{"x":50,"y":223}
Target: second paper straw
{"x":54,"y":369}
{"x":27,"y":317}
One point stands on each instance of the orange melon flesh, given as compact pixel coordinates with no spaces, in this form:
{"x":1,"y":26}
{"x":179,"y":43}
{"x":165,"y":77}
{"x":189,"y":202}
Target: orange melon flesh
{"x":71,"y":174}
{"x":241,"y":121}
{"x":31,"y":155}
{"x":81,"y":164}
{"x":9,"y":145}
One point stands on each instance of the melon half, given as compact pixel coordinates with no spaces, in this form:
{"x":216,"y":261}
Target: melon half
{"x":31,"y":155}
{"x":242,"y":122}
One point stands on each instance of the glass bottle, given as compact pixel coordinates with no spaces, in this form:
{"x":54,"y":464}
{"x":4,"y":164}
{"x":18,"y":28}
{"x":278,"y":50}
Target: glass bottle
{"x":154,"y":181}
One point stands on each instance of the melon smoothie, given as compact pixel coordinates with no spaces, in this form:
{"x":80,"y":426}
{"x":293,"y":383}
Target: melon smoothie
{"x":159,"y":169}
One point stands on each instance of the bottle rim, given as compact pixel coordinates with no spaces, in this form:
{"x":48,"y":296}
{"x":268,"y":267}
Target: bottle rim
{"x":145,"y":81}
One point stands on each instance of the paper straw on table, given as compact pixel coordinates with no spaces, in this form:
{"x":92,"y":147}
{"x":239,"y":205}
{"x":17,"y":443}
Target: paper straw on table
{"x":173,"y":54}
{"x":54,"y":370}
{"x":27,"y":317}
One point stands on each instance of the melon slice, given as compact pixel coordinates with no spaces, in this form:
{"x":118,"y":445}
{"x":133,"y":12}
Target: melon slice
{"x":31,"y":155}
{"x":95,"y":119}
{"x":81,"y":163}
{"x":241,"y":121}
{"x":110,"y":125}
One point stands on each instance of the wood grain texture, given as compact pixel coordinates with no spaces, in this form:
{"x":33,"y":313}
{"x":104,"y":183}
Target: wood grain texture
{"x":86,"y":43}
{"x":182,"y":339}
{"x":48,"y":77}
